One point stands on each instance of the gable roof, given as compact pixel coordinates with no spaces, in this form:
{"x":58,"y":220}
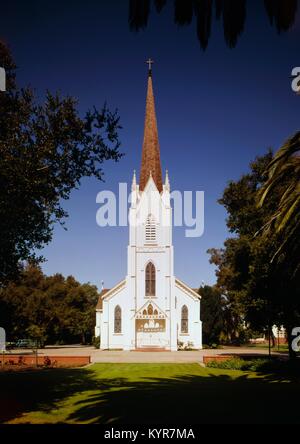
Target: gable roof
{"x":192,"y":292}
{"x":107,"y":292}
{"x":160,"y":313}
{"x":101,"y":296}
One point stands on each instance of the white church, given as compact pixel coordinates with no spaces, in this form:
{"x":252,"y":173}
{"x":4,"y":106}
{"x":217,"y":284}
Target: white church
{"x":150,"y":308}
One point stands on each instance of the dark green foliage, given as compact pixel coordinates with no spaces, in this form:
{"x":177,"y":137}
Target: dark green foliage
{"x":283,"y":223}
{"x":138,"y":14}
{"x":45,"y":150}
{"x":263,"y":292}
{"x":212,"y":314}
{"x":50,"y":309}
{"x":229,"y":364}
{"x":283,"y":182}
{"x":184,"y":12}
{"x":259,"y":365}
{"x":281,"y":13}
{"x":240,"y":199}
{"x":96,"y":341}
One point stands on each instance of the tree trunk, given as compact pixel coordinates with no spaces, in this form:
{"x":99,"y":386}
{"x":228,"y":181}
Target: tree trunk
{"x":292,"y":353}
{"x":273,"y":339}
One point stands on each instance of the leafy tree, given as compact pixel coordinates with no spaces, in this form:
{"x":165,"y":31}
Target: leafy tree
{"x":284,"y":169}
{"x":45,"y":150}
{"x":281,"y":14}
{"x":212,"y":314}
{"x":265,"y":292}
{"x":81,"y":300}
{"x":234,"y":260}
{"x":283,"y":186}
{"x":48,"y":308}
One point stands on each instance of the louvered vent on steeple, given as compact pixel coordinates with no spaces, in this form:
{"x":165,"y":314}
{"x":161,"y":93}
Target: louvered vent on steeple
{"x":150,"y":230}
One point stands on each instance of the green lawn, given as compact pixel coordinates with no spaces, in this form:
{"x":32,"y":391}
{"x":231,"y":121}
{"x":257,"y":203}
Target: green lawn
{"x":147,"y":393}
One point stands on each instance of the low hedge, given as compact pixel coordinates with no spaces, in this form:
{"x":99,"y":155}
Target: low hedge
{"x":263,"y":365}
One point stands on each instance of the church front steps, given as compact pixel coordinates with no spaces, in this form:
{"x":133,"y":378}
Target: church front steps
{"x":151,"y":349}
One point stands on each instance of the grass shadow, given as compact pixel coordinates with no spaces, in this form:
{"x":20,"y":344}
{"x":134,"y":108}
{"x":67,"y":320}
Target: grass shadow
{"x":190,"y":395}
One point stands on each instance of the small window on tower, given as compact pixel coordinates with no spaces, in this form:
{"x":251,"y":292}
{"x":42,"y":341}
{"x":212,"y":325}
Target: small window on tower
{"x":150,"y":230}
{"x":150,"y":279}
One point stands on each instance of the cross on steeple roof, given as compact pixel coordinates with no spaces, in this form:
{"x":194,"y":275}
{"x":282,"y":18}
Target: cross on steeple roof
{"x":150,"y":61}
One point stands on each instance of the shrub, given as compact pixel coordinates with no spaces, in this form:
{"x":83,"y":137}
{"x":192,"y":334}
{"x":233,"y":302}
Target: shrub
{"x":47,"y":361}
{"x":211,"y":346}
{"x":189,"y":346}
{"x":96,"y":341}
{"x":254,"y":365}
{"x":284,"y":368}
{"x":21,"y":360}
{"x":257,"y":365}
{"x":229,"y":364}
{"x":180,"y":345}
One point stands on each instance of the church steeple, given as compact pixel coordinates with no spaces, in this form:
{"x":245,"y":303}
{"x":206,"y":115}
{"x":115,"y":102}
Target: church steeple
{"x":150,"y":155}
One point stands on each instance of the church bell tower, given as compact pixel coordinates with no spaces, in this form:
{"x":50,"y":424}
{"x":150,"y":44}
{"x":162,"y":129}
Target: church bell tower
{"x":150,"y":251}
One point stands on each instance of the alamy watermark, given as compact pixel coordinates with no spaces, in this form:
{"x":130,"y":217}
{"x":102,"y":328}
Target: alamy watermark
{"x":187,"y":209}
{"x":2,"y":79}
{"x":2,"y":340}
{"x":296,"y":79}
{"x":296,"y":340}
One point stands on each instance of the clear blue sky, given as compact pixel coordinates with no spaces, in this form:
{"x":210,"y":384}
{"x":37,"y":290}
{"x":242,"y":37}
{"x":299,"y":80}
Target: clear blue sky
{"x":216,"y":111}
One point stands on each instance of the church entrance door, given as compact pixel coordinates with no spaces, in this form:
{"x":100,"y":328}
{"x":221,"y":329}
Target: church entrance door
{"x":151,"y":333}
{"x":150,"y":327}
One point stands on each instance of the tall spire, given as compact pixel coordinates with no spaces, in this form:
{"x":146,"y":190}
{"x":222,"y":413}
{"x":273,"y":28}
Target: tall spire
{"x":150,"y":155}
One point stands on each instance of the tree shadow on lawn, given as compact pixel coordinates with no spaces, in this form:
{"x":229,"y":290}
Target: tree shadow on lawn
{"x":183,"y":399}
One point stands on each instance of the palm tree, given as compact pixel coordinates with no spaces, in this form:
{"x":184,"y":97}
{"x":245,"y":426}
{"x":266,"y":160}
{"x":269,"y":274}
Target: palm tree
{"x":281,"y":14}
{"x":283,"y":183}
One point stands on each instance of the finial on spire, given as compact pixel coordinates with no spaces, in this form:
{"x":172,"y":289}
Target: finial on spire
{"x":133,"y":186}
{"x":167,"y":182}
{"x":149,"y":62}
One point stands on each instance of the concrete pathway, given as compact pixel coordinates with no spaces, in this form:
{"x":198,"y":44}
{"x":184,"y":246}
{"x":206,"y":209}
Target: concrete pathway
{"x":169,"y":357}
{"x":143,"y":356}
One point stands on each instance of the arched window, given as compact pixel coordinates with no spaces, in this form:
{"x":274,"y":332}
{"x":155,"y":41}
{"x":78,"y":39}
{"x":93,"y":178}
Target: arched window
{"x":150,"y":279}
{"x":150,"y":230}
{"x":184,"y":319}
{"x":150,"y":310}
{"x":118,"y":320}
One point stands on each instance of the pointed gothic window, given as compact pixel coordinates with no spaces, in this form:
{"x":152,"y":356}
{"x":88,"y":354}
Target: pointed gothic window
{"x":184,"y":319}
{"x":118,"y":320}
{"x":150,"y":279}
{"x":150,"y":230}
